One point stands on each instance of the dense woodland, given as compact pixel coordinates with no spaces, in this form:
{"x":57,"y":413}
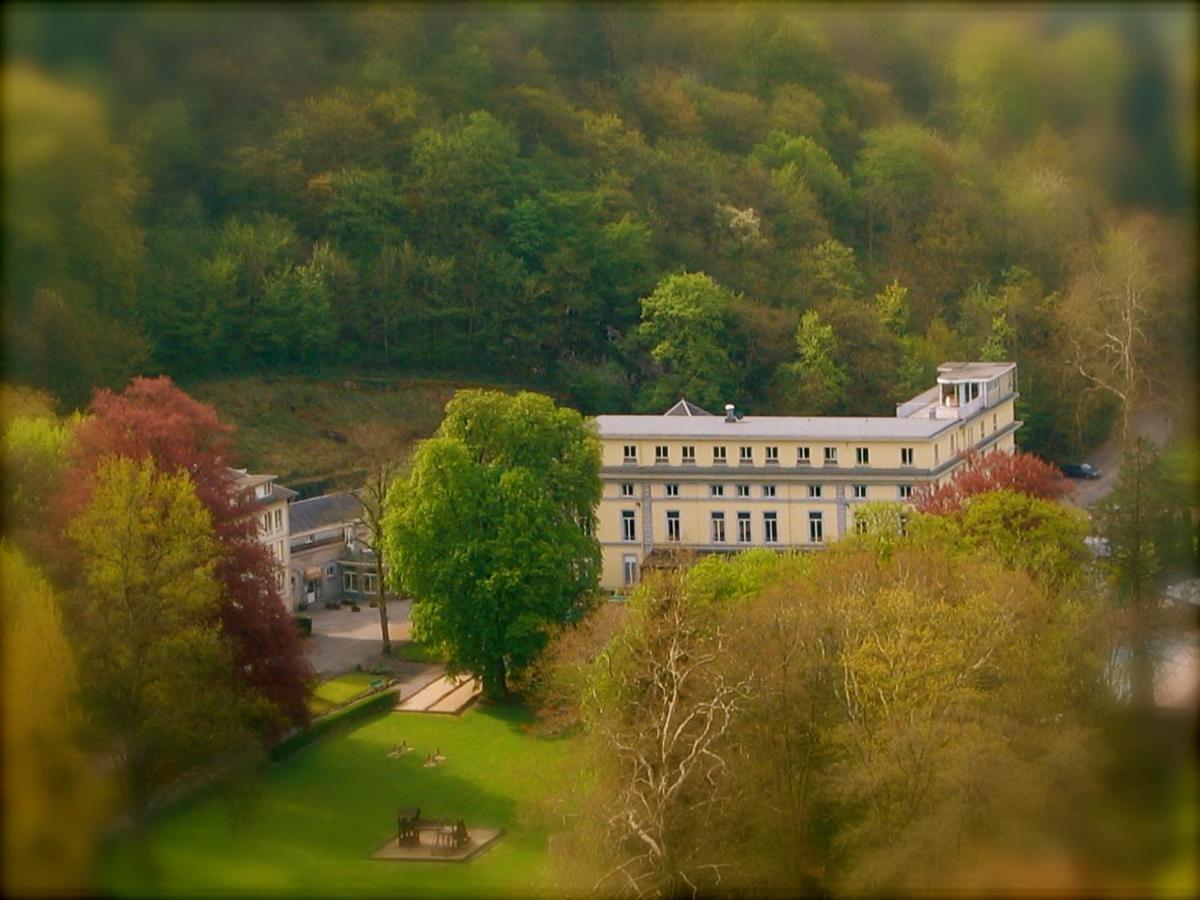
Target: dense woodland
{"x":797,"y":210}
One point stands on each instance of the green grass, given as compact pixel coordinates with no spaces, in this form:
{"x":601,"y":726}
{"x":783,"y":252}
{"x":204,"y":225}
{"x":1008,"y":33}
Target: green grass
{"x":318,"y":434}
{"x":420,"y":653}
{"x":336,"y":691}
{"x":321,"y":811}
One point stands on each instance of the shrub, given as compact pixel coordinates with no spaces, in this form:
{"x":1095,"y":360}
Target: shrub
{"x":373,"y":705}
{"x":304,"y":623}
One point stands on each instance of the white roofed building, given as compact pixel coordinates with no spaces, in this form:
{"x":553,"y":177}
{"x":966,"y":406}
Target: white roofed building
{"x":692,"y":480}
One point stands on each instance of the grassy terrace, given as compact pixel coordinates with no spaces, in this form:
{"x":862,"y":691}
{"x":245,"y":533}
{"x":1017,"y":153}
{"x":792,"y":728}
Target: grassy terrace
{"x":321,"y":811}
{"x":317,"y":434}
{"x":336,"y":691}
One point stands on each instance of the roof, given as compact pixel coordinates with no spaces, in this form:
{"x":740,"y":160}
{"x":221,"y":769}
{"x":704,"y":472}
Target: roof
{"x":953,"y":372}
{"x":783,"y":427}
{"x":324,"y":512}
{"x":686,"y":408}
{"x":245,"y":480}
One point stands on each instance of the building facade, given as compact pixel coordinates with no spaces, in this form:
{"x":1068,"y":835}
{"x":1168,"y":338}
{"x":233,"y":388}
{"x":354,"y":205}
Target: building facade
{"x":271,"y":510}
{"x":694,"y":481}
{"x":330,"y":561}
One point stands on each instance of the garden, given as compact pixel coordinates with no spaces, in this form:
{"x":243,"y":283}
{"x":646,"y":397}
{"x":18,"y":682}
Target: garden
{"x":320,"y":812}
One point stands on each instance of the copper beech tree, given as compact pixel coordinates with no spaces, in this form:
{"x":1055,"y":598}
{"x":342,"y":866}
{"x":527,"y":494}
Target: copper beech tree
{"x":1023,"y":473}
{"x":154,"y":419}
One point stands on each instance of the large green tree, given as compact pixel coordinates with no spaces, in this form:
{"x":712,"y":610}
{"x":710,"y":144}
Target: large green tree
{"x":493,"y":532}
{"x":159,"y":686}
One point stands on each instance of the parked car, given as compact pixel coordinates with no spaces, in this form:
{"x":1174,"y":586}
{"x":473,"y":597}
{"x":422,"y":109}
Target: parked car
{"x":1080,"y":470}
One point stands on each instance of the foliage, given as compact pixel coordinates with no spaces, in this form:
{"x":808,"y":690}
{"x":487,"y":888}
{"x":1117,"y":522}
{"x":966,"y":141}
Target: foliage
{"x":980,"y":473}
{"x":493,"y":532}
{"x":152,"y":419}
{"x":818,"y":377}
{"x":35,"y":451}
{"x":160,"y":689}
{"x":685,"y":326}
{"x":54,"y":803}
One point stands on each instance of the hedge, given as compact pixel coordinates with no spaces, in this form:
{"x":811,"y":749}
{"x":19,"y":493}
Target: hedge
{"x":373,"y":705}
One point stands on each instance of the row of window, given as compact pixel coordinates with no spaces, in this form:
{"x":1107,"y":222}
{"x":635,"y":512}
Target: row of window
{"x":862,"y":455}
{"x":859,"y":491}
{"x":352,"y":580}
{"x":270,"y":516}
{"x":770,"y":527}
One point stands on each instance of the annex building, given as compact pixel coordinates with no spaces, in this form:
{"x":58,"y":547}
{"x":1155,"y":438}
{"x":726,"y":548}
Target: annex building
{"x":690,"y":480}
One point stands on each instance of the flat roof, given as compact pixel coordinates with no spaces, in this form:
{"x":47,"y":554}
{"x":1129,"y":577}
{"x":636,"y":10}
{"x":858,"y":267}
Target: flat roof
{"x":783,"y":427}
{"x":954,"y":372}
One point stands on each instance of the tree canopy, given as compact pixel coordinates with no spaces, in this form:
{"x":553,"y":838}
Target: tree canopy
{"x":492,"y":534}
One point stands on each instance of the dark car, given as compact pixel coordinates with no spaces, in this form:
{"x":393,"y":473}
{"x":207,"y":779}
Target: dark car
{"x":1080,"y":470}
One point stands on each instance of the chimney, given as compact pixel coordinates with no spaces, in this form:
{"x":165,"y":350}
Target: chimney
{"x":729,"y":413}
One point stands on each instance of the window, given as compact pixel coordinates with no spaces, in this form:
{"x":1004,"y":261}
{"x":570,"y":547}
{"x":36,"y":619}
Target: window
{"x":952,"y":445}
{"x":672,"y":490}
{"x":370,"y":585}
{"x":936,"y":453}
{"x":804,"y":456}
{"x":905,"y":491}
{"x":689,"y":454}
{"x":660,"y":453}
{"x":743,"y":490}
{"x":718,"y":528}
{"x":816,"y":528}
{"x":860,"y":492}
{"x":716,"y":490}
{"x":862,"y":456}
{"x":743,"y":534}
{"x":814,"y":492}
{"x":266,"y":523}
{"x":860,"y":525}
{"x":626,"y":489}
{"x":831,"y":456}
{"x":630,"y":566}
{"x":768,"y":490}
{"x":906,"y":456}
{"x":718,"y":455}
{"x":746,"y":454}
{"x":673,"y":526}
{"x":631,"y":453}
{"x":330,"y":572}
{"x":278,"y":519}
{"x":993,"y":421}
{"x":770,"y":528}
{"x":350,"y":582}
{"x":772,"y":456}
{"x":628,"y":527}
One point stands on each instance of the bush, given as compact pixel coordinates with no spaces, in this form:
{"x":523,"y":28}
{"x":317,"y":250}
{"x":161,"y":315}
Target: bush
{"x":304,"y":623}
{"x":373,"y":705}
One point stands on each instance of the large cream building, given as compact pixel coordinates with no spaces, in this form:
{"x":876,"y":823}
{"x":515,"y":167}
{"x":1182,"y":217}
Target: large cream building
{"x":691,"y":480}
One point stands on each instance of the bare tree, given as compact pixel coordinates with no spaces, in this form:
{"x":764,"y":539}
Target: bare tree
{"x":385,"y":467}
{"x":1113,"y":310}
{"x":662,"y":704}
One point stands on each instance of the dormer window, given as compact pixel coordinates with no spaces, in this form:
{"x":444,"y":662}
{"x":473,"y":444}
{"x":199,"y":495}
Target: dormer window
{"x":263,"y":490}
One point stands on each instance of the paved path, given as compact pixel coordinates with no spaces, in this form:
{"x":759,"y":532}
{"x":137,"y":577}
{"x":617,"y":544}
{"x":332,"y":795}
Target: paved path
{"x":1150,"y":423}
{"x":342,"y":640}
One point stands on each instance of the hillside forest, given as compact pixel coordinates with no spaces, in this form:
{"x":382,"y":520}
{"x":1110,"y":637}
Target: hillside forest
{"x":799,"y":210}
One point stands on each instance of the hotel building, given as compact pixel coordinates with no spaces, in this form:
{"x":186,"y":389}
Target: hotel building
{"x":691,"y":480}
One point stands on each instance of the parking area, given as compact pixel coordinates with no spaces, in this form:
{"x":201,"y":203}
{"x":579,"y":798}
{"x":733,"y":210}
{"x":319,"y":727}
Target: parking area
{"x":343,"y":639}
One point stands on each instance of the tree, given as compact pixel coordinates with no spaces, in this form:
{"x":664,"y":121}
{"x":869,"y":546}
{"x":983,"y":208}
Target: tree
{"x":153,"y":419}
{"x":160,"y":689}
{"x":1132,"y":519}
{"x":54,"y":804}
{"x":819,"y":379}
{"x":980,"y":473}
{"x":383,"y":470}
{"x":685,"y":326}
{"x":1113,"y":310}
{"x":35,"y":453}
{"x":659,"y":704}
{"x":493,"y":532}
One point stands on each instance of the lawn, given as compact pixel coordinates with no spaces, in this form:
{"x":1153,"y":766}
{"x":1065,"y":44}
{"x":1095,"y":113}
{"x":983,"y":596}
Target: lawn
{"x":320,"y":812}
{"x":336,"y":691}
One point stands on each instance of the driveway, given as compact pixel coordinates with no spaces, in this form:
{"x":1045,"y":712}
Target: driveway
{"x":342,"y":639}
{"x":1150,"y":423}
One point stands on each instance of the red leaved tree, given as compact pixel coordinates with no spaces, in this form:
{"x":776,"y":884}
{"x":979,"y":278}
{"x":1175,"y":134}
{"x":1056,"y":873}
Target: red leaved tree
{"x":1023,"y":473}
{"x":153,"y":418}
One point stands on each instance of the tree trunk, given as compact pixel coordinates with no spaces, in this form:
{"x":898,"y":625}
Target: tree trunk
{"x":495,"y":684}
{"x":381,"y":595}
